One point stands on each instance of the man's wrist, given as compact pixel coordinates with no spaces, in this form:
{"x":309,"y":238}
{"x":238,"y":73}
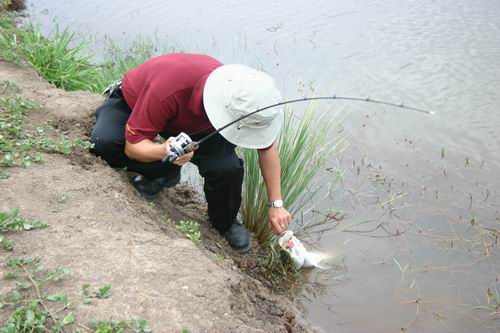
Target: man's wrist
{"x":275,"y":203}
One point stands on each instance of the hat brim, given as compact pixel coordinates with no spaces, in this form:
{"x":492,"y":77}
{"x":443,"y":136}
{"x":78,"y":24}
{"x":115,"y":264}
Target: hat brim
{"x":214,"y":98}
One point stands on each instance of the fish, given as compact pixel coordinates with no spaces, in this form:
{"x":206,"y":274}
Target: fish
{"x":300,"y":255}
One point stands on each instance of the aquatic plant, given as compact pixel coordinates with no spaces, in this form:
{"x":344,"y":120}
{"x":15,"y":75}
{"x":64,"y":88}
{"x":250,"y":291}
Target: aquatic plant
{"x":304,"y":145}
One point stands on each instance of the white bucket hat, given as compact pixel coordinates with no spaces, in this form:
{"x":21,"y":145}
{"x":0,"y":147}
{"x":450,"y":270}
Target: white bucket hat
{"x":232,"y":91}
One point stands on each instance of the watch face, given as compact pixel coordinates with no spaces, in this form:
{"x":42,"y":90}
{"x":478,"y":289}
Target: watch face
{"x":278,"y":203}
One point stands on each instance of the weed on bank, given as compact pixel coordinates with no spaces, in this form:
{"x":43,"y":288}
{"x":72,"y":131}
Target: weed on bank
{"x":21,"y":148}
{"x":33,"y":308}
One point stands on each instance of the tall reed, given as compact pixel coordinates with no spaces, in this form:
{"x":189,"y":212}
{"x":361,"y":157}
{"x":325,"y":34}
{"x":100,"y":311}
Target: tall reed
{"x":304,"y":147}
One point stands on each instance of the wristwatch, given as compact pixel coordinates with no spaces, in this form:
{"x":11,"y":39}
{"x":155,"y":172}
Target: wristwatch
{"x":275,"y":203}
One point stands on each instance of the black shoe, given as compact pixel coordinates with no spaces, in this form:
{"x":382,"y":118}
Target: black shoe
{"x":238,"y":237}
{"x":151,"y":188}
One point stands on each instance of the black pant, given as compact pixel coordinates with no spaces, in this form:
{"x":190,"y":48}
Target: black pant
{"x":216,"y":160}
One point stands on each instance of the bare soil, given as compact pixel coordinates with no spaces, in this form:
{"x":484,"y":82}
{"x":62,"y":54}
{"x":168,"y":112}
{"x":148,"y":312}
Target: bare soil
{"x":105,"y":233}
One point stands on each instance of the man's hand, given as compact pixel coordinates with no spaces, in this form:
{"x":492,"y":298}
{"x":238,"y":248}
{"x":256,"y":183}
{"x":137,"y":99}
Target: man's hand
{"x":279,"y":218}
{"x":183,"y":159}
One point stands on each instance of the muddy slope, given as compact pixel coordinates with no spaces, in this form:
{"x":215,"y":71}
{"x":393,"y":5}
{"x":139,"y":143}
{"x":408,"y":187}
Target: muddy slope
{"x":104,"y":233}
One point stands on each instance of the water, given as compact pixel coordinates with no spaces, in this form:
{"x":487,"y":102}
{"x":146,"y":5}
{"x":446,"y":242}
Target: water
{"x":431,"y":180}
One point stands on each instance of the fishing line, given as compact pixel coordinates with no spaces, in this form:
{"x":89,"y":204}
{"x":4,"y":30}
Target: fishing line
{"x":183,"y":144}
{"x":334,"y":97}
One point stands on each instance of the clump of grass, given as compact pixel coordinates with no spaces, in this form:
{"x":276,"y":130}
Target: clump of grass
{"x":279,"y":270}
{"x":12,"y":151}
{"x":8,"y":87}
{"x":99,"y":293}
{"x":191,"y":229}
{"x":303,"y":148}
{"x":12,"y":222}
{"x":120,"y":326}
{"x":57,"y":57}
{"x":62,"y":56}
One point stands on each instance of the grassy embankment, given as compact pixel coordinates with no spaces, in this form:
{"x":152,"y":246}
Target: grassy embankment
{"x":66,"y":63}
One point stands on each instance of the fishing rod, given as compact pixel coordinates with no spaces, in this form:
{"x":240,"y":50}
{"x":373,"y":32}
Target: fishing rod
{"x":183,"y":144}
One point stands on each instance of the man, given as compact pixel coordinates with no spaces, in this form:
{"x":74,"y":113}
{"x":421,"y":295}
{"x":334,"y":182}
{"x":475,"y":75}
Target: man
{"x":195,"y":94}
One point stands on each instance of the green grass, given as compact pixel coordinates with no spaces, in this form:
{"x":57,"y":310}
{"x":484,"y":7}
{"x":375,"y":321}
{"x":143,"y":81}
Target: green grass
{"x":120,"y":326}
{"x":190,"y":229}
{"x":29,"y":300}
{"x":12,"y":222}
{"x":303,"y":150}
{"x":100,"y":293}
{"x":279,"y":270}
{"x":56,"y":57}
{"x":60,"y":61}
{"x":34,"y":309}
{"x":18,"y":148}
{"x":62,"y":56}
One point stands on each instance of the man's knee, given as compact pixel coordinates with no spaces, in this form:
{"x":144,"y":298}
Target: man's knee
{"x":107,"y":146}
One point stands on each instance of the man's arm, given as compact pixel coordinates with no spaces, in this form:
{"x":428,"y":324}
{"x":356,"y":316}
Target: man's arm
{"x":148,"y":151}
{"x":270,"y":167}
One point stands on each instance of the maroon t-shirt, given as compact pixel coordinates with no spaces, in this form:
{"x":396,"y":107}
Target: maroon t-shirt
{"x":166,"y":93}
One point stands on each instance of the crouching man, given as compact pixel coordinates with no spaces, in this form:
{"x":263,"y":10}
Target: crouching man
{"x":195,"y":94}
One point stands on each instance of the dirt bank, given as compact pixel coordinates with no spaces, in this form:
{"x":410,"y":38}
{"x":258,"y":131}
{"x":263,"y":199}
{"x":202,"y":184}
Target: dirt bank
{"x":104,"y":233}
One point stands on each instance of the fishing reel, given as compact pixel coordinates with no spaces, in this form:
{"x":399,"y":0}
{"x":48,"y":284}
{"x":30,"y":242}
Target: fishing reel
{"x":182,"y":144}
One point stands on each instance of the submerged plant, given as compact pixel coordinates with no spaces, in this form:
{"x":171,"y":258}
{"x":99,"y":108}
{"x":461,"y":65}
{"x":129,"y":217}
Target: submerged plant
{"x":304,"y":146}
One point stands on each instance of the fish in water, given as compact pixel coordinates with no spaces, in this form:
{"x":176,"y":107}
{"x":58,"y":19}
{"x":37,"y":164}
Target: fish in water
{"x":301,"y":257}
